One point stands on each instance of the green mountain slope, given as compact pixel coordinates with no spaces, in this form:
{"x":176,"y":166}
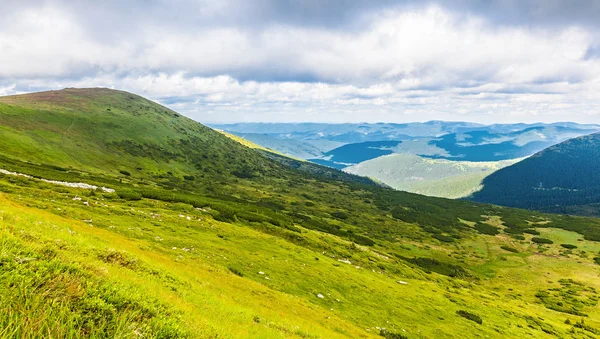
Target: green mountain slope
{"x":292,"y":147}
{"x":433,"y":177}
{"x":563,"y":178}
{"x":207,"y":238}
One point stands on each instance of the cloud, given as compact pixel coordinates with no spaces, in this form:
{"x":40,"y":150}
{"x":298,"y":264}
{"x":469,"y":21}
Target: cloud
{"x":324,"y":61}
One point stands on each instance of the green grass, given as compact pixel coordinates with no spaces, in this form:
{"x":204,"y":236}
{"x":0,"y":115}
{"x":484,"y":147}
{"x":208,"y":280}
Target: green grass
{"x":168,"y":255}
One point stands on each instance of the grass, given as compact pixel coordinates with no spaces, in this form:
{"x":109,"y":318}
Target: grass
{"x":149,"y":247}
{"x":235,"y":256}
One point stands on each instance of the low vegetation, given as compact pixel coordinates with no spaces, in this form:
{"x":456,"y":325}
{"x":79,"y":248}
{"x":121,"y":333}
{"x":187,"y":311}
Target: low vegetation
{"x":283,"y":248}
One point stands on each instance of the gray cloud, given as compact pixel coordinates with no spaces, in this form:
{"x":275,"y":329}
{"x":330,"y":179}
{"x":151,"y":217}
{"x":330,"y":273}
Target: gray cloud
{"x":322,"y":60}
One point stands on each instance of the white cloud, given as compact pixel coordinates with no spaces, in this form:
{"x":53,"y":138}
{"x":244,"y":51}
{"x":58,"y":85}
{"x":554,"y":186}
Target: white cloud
{"x":417,"y":64}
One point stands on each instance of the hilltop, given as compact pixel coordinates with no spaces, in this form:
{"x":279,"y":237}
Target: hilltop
{"x":205,"y":237}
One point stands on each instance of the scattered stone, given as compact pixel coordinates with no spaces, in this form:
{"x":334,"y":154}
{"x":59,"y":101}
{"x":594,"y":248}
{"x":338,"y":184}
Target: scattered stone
{"x":320,"y":296}
{"x":261,"y":272}
{"x":345,"y":261}
{"x":402,"y":282}
{"x":61,"y":183}
{"x":24,"y":260}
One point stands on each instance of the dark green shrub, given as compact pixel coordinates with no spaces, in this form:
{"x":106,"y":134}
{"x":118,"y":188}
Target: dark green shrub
{"x":189,"y":177}
{"x":510,"y":249}
{"x":124,"y":172}
{"x":339,"y":215}
{"x":568,"y":246}
{"x":531,"y":231}
{"x":597,"y":260}
{"x":129,"y":195}
{"x":443,"y":238}
{"x":539,"y":240}
{"x":486,"y":229}
{"x":361,"y":240}
{"x":235,"y":271}
{"x":581,"y":324}
{"x":391,"y":335}
{"x":471,"y":316}
{"x":433,"y":265}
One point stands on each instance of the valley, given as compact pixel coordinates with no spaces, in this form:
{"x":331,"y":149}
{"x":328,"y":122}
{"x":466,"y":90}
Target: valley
{"x":432,"y":177}
{"x":457,"y":155}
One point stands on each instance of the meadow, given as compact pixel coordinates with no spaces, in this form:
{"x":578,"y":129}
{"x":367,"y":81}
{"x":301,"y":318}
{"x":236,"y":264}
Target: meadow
{"x":207,"y":238}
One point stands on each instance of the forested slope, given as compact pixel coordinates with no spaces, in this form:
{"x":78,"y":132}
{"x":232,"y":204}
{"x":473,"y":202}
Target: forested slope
{"x":561,"y":178}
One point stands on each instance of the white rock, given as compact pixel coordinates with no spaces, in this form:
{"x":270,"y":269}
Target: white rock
{"x":62,"y":183}
{"x":402,"y":282}
{"x":261,"y":272}
{"x":320,"y":296}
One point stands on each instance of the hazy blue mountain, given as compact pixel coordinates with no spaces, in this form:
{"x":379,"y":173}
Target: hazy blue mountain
{"x":342,"y":145}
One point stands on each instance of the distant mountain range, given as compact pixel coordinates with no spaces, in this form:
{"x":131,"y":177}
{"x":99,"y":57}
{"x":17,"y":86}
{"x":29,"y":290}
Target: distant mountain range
{"x":404,"y":156}
{"x":344,"y":145}
{"x":564,"y":178}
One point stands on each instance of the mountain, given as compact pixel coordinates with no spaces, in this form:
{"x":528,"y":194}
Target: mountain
{"x":350,"y":132}
{"x":343,"y":145}
{"x":354,"y":153}
{"x":433,"y":177}
{"x":563,"y":178}
{"x":122,"y":218}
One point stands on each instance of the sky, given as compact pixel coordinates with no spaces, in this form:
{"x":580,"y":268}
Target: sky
{"x":486,"y":61}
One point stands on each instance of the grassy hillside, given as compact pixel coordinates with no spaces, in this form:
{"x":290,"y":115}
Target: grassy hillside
{"x":562,"y":178}
{"x":433,"y":177}
{"x":244,"y":243}
{"x":291,"y":147}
